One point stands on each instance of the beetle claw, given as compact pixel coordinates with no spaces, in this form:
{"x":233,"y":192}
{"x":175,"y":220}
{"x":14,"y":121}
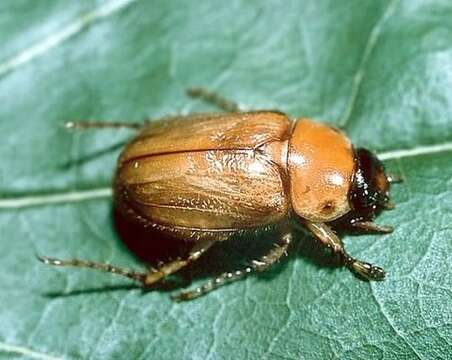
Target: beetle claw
{"x":366,"y":270}
{"x":50,"y":261}
{"x":394,"y":179}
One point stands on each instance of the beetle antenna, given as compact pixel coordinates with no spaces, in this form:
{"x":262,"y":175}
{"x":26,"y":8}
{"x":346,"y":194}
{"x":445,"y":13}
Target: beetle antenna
{"x":85,"y":125}
{"x":134,"y":275}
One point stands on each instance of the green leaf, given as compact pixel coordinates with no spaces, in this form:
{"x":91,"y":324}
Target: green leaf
{"x":382,"y":69}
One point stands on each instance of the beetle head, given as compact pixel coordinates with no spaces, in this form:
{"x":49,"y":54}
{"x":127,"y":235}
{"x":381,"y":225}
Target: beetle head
{"x":369,"y":192}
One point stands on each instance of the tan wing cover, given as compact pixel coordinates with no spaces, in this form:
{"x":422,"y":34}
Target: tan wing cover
{"x":208,"y":172}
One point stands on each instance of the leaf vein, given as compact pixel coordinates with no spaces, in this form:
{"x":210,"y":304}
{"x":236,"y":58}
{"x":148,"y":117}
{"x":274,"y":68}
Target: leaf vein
{"x":106,"y":192}
{"x":27,"y":352}
{"x":392,"y":325}
{"x":57,"y":38}
{"x":58,"y":198}
{"x":287,"y":321}
{"x":416,"y":151}
{"x":359,"y":74}
{"x":113,"y":320}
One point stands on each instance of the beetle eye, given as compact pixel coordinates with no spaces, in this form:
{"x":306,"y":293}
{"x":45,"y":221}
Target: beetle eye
{"x":370,"y":187}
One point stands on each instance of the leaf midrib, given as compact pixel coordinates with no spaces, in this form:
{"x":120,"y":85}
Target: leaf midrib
{"x":103,"y":192}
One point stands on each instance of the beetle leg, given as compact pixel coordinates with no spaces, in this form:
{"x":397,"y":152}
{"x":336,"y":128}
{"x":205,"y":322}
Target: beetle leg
{"x":131,"y":274}
{"x":213,"y":98}
{"x":369,"y":226}
{"x":146,"y":278}
{"x":83,"y":125}
{"x":171,"y":267}
{"x":394,"y":179}
{"x":328,"y":238}
{"x":279,"y":250}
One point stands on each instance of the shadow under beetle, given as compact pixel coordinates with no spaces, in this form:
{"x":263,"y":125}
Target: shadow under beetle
{"x":202,"y":178}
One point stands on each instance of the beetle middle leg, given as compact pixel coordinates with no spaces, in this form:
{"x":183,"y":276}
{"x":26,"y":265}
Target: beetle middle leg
{"x":328,"y":238}
{"x":213,"y":98}
{"x":266,"y":261}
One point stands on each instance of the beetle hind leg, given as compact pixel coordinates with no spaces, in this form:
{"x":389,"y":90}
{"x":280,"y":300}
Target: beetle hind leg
{"x":171,"y":267}
{"x":131,"y":274}
{"x":148,"y":278}
{"x":213,"y":98}
{"x":262,"y":264}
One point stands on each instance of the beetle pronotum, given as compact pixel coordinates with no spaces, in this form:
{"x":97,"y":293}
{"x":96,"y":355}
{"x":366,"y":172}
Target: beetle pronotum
{"x":203,"y":178}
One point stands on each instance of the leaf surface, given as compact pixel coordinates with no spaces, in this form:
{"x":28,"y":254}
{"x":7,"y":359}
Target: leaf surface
{"x":381,"y":69}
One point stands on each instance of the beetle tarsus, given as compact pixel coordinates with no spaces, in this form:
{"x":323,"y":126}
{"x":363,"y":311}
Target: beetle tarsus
{"x":84,"y":125}
{"x":131,"y":274}
{"x":49,"y":261}
{"x":369,"y":226}
{"x":213,"y":98}
{"x":365,"y":270}
{"x":147,"y":279}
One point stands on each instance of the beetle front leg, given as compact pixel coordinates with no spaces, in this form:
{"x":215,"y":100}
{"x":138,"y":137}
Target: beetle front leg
{"x":266,"y":261}
{"x":371,"y":227}
{"x":213,"y":98}
{"x":328,"y":238}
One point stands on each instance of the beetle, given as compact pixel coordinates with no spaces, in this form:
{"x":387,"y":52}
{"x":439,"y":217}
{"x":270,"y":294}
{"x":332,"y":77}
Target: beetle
{"x":203,"y":178}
